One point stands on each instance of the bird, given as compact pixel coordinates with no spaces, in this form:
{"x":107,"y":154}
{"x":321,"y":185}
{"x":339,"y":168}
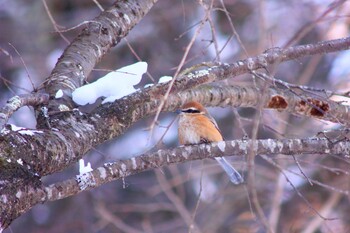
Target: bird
{"x":196,"y":126}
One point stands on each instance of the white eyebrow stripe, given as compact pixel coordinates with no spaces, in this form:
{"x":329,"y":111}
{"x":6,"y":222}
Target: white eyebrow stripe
{"x":192,"y":110}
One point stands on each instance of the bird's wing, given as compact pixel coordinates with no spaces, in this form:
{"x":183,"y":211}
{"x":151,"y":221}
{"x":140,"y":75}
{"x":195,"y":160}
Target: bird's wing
{"x":212,"y":120}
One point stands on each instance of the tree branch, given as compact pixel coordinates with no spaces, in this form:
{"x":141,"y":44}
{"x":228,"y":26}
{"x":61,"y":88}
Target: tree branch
{"x":100,"y":35}
{"x":74,"y":133}
{"x":219,"y":71}
{"x":125,"y":168}
{"x":19,"y":101}
{"x":305,"y":104}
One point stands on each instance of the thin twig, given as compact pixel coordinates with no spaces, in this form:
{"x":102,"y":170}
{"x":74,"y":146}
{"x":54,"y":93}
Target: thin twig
{"x":186,"y":216}
{"x":113,"y":219}
{"x":301,"y":170}
{"x":54,"y":24}
{"x":295,"y":188}
{"x":98,"y":5}
{"x":198,"y":200}
{"x":138,"y":58}
{"x":309,"y":26}
{"x":187,"y":50}
{"x":25,"y":66}
{"x":233,"y":28}
{"x":327,"y":208}
{"x":251,"y":168}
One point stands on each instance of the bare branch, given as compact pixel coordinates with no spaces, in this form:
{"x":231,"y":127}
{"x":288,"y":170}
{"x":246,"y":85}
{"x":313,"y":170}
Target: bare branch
{"x":224,"y":71}
{"x":53,"y":22}
{"x":17,"y":102}
{"x":177,"y":202}
{"x":281,"y":100}
{"x":125,"y":168}
{"x":113,"y":219}
{"x":315,"y":223}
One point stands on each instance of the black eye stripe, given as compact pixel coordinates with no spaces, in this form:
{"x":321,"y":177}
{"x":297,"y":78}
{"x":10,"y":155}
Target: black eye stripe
{"x":191,"y":110}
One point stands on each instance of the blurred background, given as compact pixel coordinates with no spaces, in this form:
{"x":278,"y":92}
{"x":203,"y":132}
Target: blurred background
{"x":162,"y":200}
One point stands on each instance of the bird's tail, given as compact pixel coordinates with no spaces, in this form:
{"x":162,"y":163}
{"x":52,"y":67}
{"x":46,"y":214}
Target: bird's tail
{"x":234,"y":175}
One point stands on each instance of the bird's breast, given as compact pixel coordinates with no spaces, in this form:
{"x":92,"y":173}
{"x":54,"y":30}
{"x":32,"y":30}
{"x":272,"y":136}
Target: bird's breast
{"x":187,"y":131}
{"x":195,"y":129}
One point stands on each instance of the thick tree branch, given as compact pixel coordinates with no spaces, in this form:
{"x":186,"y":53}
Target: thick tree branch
{"x":34,"y":193}
{"x":100,"y":35}
{"x":69,"y":144}
{"x":282,"y":100}
{"x":74,"y":134}
{"x":112,"y":120}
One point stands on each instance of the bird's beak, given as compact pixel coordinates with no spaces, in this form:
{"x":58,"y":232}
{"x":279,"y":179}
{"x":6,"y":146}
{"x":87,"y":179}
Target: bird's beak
{"x":178,"y":111}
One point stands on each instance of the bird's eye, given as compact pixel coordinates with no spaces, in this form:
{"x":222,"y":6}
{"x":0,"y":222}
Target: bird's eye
{"x":191,"y":110}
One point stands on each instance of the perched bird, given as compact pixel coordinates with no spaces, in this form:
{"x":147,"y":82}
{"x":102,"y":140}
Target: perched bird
{"x":197,"y":126}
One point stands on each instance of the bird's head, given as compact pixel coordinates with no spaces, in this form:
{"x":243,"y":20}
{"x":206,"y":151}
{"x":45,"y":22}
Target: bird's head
{"x":193,"y":107}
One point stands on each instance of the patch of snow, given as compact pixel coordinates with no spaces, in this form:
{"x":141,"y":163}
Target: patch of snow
{"x":165,"y":79}
{"x":114,"y":85}
{"x":84,"y":169}
{"x":59,"y":94}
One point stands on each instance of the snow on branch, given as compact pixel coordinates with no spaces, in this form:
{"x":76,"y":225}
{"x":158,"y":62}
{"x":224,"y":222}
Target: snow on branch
{"x":114,"y":85}
{"x":99,"y":36}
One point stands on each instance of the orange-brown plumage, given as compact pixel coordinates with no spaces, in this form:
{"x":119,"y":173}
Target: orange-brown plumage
{"x":197,"y":126}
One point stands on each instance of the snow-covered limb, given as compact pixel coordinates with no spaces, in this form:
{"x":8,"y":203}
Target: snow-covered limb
{"x":114,"y":85}
{"x":82,"y":55}
{"x":269,"y":147}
